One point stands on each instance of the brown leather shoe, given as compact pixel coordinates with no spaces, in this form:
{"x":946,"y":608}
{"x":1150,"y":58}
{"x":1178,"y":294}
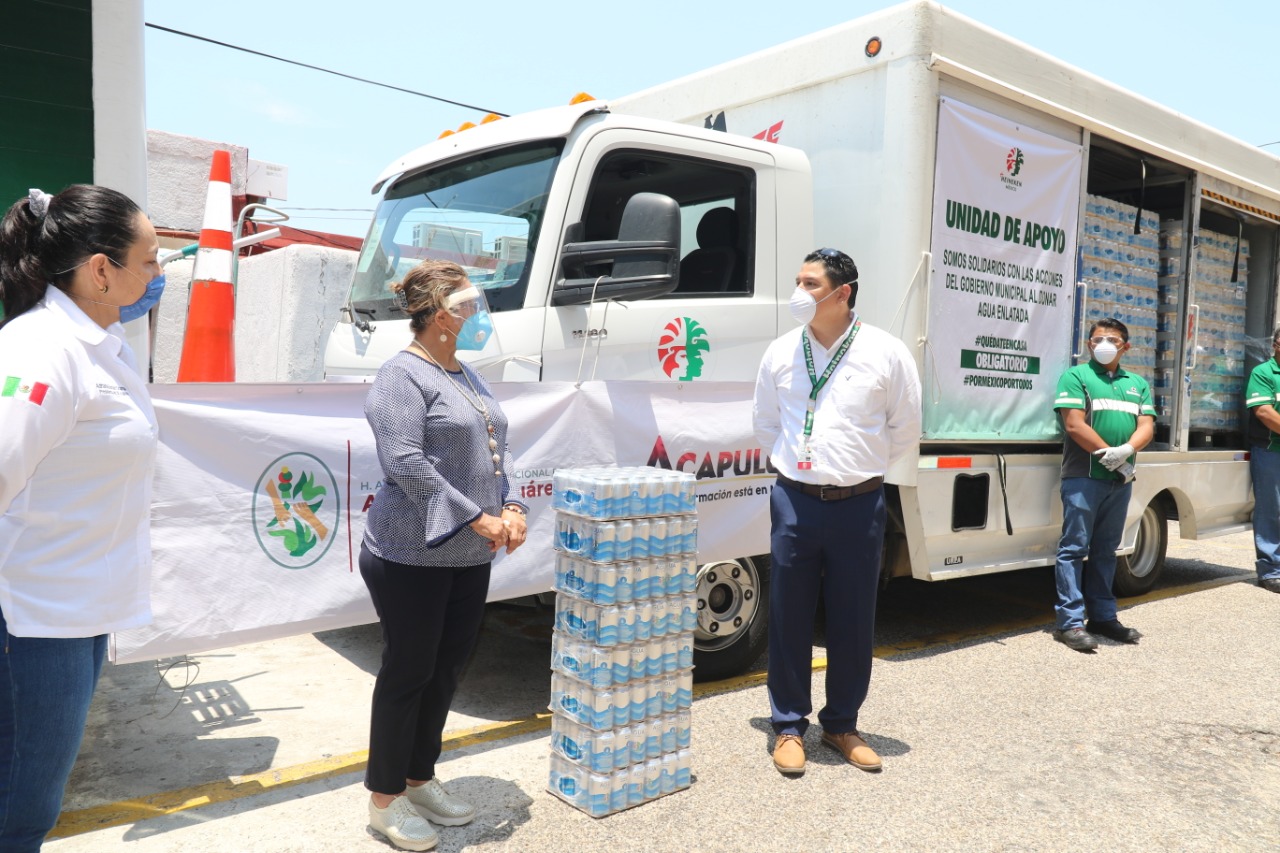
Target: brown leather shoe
{"x":788,"y":754}
{"x":854,"y":749}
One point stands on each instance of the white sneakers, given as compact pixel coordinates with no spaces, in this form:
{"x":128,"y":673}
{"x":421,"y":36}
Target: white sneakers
{"x":438,"y":806}
{"x":402,"y":825}
{"x":404,"y":821}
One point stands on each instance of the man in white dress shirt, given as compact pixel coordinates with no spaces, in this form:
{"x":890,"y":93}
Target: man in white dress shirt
{"x":837,"y":402}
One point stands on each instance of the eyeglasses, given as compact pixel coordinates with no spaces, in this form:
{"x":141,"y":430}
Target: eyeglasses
{"x":831,"y":253}
{"x":1110,"y":339}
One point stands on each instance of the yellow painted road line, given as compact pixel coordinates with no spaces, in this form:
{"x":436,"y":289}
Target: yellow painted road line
{"x":237,"y":787}
{"x":170,"y":802}
{"x":894,"y":650}
{"x":1185,"y":589}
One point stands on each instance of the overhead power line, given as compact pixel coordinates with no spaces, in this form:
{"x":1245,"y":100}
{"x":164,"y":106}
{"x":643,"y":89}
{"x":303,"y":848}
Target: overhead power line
{"x":325,"y":70}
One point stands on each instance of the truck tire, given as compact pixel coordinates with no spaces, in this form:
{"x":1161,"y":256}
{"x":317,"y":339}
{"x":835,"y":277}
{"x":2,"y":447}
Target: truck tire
{"x":733,"y":617}
{"x":1138,"y":572}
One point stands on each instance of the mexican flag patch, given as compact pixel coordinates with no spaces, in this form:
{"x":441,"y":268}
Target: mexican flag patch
{"x":15,"y":386}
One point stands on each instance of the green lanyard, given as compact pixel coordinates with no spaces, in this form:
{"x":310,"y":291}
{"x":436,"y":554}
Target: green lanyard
{"x":826,"y":374}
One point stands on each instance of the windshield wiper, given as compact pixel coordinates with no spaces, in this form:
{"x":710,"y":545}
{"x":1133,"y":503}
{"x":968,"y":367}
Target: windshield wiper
{"x":363,"y":325}
{"x":451,"y":200}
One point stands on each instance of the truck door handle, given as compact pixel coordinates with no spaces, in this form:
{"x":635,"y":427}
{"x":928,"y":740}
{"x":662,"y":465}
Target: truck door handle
{"x":1193,"y":320}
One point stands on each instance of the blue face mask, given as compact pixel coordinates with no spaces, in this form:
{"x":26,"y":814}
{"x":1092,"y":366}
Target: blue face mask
{"x":148,"y":301}
{"x":475,"y":331}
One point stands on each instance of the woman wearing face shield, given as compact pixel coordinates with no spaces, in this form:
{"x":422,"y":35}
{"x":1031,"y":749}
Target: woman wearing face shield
{"x":441,"y":514}
{"x":79,"y":441}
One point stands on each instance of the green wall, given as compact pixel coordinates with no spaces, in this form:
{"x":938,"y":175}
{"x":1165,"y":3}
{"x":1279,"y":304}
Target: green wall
{"x":46,"y":102}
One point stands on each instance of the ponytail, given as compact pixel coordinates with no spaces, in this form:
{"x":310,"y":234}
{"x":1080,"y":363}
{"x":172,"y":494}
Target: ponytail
{"x":21,"y":281}
{"x":43,"y":239}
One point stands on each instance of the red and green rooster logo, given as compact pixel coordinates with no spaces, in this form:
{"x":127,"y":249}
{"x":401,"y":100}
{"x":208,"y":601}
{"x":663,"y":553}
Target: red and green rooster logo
{"x":1013,"y":161}
{"x":681,"y":348}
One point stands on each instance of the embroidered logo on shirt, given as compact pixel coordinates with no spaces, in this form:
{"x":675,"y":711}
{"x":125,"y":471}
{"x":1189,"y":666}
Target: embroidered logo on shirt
{"x":295,"y":510}
{"x":15,"y":386}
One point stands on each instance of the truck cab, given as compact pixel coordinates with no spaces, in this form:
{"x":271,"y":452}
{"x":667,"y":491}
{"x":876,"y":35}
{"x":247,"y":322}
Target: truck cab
{"x":530,"y":206}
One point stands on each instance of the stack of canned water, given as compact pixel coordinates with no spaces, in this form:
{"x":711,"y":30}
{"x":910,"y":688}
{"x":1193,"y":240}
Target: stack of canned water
{"x":1218,"y":381}
{"x":622,"y":652}
{"x":1120,"y":269}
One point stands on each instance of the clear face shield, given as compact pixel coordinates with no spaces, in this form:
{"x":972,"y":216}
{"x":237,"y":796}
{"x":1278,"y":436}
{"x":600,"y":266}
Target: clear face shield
{"x":469,"y":305}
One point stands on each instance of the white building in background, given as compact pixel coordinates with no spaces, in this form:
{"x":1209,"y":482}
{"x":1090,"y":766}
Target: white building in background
{"x":449,"y":238}
{"x":511,"y":248}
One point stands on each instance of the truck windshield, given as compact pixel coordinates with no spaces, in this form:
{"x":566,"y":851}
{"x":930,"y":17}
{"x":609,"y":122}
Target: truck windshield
{"x":483,"y":213}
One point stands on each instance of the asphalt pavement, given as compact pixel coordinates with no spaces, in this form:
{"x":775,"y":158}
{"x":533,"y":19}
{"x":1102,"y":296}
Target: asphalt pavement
{"x":993,"y":736}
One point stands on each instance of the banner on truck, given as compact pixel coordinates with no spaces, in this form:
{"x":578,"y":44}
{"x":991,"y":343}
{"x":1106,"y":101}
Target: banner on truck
{"x":1002,"y":298}
{"x":261,"y":492}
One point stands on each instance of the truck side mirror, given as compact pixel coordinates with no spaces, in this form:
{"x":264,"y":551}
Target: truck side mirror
{"x":645,"y":258}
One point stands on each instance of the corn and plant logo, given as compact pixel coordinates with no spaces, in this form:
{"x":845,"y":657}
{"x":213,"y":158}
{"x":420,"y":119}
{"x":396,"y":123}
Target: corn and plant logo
{"x":682,"y":349}
{"x":295,"y":510}
{"x":1013,"y":162}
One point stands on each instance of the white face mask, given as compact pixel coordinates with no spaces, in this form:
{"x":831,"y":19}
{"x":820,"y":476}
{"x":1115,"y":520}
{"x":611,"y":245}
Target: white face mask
{"x":1105,"y":353}
{"x":804,"y":307}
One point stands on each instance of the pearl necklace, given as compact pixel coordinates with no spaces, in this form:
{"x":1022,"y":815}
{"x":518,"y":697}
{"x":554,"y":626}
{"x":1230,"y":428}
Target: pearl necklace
{"x":477,"y":403}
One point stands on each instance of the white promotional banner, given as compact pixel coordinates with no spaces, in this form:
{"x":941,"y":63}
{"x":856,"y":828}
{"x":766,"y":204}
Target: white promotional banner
{"x":1002,"y":294}
{"x":261,"y":493}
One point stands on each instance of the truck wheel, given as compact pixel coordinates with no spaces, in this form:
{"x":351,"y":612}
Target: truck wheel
{"x":733,"y":617}
{"x":1137,"y":573}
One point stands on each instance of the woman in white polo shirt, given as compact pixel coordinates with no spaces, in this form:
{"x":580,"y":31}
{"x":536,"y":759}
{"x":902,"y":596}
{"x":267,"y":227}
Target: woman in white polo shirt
{"x":76,"y":454}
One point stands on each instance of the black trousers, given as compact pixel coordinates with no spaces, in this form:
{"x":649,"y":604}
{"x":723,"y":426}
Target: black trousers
{"x":431,"y":618}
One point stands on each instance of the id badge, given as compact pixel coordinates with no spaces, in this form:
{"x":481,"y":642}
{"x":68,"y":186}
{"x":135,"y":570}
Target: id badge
{"x":804,"y":459}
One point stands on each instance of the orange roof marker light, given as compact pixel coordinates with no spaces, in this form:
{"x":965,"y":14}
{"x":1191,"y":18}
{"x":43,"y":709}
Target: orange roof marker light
{"x":491,"y":117}
{"x":466,"y":125}
{"x":444,"y":134}
{"x":581,"y":98}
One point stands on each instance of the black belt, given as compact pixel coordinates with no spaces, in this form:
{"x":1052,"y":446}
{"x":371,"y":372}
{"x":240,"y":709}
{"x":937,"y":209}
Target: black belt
{"x":832,"y":493}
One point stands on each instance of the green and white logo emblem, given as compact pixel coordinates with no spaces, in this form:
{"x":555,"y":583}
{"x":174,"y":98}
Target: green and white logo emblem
{"x":295,"y":510}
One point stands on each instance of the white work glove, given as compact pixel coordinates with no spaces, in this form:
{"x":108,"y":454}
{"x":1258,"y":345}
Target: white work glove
{"x":1112,"y":458}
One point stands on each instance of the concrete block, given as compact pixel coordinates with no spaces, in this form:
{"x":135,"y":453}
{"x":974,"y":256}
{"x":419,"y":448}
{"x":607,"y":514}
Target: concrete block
{"x":178,"y":178}
{"x":287,"y":303}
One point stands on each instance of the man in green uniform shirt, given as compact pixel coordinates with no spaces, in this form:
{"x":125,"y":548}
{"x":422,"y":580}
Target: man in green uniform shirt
{"x":1261,"y":397}
{"x":1108,"y":416}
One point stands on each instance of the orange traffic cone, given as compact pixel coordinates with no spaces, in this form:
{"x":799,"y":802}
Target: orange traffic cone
{"x":208,"y":348}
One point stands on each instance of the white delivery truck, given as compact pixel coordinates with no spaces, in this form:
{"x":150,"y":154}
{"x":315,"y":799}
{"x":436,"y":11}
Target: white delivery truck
{"x":996,"y":201}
